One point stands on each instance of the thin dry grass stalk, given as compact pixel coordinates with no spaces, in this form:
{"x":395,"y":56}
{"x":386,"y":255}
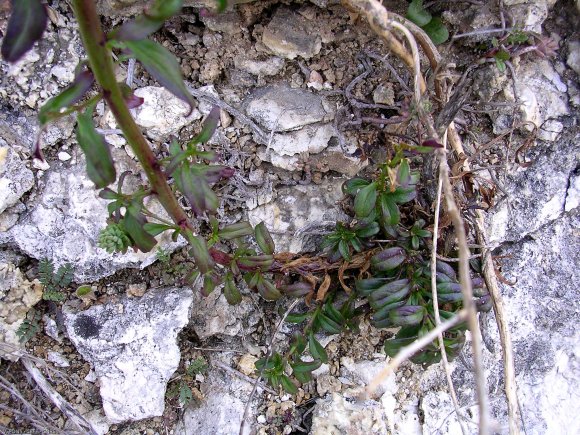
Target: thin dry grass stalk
{"x":379,"y":20}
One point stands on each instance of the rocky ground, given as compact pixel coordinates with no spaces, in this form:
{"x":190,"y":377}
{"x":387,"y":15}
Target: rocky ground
{"x":292,"y":78}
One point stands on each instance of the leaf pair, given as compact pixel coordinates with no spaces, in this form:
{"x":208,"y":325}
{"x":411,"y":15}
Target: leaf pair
{"x":433,"y":26}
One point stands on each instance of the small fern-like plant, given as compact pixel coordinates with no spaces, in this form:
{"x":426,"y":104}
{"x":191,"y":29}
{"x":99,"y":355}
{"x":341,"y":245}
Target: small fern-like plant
{"x":54,"y":282}
{"x":29,"y":327}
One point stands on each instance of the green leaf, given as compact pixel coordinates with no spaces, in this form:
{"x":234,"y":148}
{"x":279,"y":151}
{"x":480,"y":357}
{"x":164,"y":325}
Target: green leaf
{"x":288,"y":385}
{"x":155,"y":229}
{"x":328,"y":324}
{"x":316,"y":349}
{"x":100,"y":166}
{"x":185,"y":395}
{"x":200,"y":253}
{"x":368,"y":230}
{"x":365,"y":200}
{"x":197,"y":191}
{"x":231,"y":292}
{"x":344,"y":250}
{"x":163,"y":66}
{"x":264,"y":239}
{"x":418,"y":14}
{"x":209,"y":126}
{"x":352,"y":186}
{"x":389,"y":209}
{"x":233,"y":231}
{"x":436,"y":31}
{"x":133,"y":223}
{"x":305,"y":367}
{"x":297,"y":318}
{"x":25,"y":26}
{"x":51,"y":110}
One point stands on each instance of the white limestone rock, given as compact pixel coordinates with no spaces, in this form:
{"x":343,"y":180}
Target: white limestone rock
{"x":15,"y":178}
{"x":132,"y":346}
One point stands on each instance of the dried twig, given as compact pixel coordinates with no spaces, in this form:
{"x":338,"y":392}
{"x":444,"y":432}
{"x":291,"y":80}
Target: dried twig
{"x":268,"y":354}
{"x":493,"y":288}
{"x":434,"y":296}
{"x":261,"y":385}
{"x":410,"y":350}
{"x":379,"y":19}
{"x":66,"y":408}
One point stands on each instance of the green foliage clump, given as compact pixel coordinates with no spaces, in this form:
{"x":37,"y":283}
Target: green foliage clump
{"x":433,"y":26}
{"x":29,"y":326}
{"x":54,"y":282}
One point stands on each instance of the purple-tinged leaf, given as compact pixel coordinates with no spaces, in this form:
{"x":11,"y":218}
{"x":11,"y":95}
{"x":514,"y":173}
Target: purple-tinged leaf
{"x":132,"y":100}
{"x":163,"y":66}
{"x":134,"y":223}
{"x":197,"y":191}
{"x":200,"y":253}
{"x":215,"y":173}
{"x":73,"y":93}
{"x":264,"y":239}
{"x":148,"y":23}
{"x":209,"y":126}
{"x":25,"y":26}
{"x":100,"y":166}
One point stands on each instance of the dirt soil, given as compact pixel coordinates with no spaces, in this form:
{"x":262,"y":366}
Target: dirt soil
{"x":210,"y":52}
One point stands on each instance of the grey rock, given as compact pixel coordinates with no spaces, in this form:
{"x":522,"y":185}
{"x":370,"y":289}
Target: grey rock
{"x":537,"y":194}
{"x":17,"y":297}
{"x":161,"y":114}
{"x":15,"y":178}
{"x":384,"y":94}
{"x":64,"y":222}
{"x":213,"y":316}
{"x":222,"y":409}
{"x":281,"y":108}
{"x":339,"y":415}
{"x":228,"y":22}
{"x":543,"y":313}
{"x":290,"y":35}
{"x":132,"y":346}
{"x":268,"y":67}
{"x":301,"y":215}
{"x":435,"y":421}
{"x":573,"y":59}
{"x":542,"y":97}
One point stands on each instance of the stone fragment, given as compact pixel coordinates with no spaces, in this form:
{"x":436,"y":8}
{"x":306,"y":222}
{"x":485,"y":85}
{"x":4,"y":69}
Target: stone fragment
{"x":57,"y":358}
{"x":281,"y":108}
{"x":341,"y":416}
{"x":15,"y":178}
{"x":539,"y":193}
{"x":246,"y":364}
{"x":162,"y":114}
{"x":542,"y":95}
{"x":267,"y":67}
{"x":132,"y":346}
{"x":222,"y":409}
{"x":213,"y":316}
{"x":301,"y":215}
{"x":228,"y":22}
{"x":17,"y":297}
{"x":64,"y":222}
{"x":384,"y":94}
{"x":364,"y":372}
{"x":290,"y":35}
{"x":573,"y":59}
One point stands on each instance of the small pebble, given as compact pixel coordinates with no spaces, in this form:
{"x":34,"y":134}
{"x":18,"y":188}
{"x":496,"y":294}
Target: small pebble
{"x":261,"y":419}
{"x":63,"y":157}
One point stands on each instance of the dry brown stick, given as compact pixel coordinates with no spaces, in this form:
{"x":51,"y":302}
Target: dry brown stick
{"x":434,"y":296}
{"x":500,"y":316}
{"x":268,"y":354}
{"x":410,"y":350}
{"x":380,"y":23}
{"x":66,"y":408}
{"x":467,"y":291}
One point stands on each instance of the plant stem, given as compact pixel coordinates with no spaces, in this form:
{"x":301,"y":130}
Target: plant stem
{"x":101,"y":62}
